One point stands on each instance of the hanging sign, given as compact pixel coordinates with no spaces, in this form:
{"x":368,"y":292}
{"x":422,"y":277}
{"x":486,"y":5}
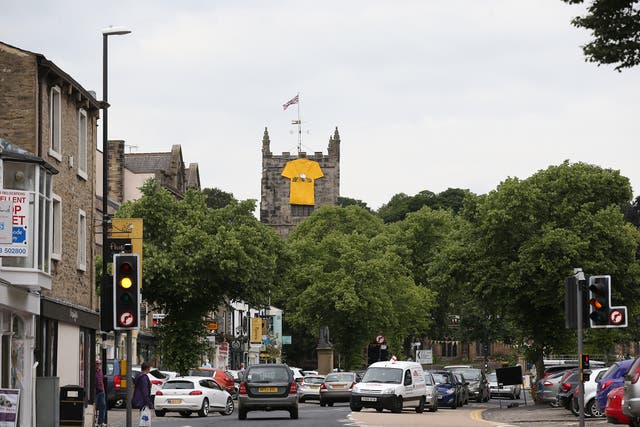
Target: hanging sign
{"x":14,"y":222}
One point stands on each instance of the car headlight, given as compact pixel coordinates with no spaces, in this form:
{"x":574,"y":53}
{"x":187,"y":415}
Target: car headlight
{"x":390,"y":390}
{"x":450,"y":391}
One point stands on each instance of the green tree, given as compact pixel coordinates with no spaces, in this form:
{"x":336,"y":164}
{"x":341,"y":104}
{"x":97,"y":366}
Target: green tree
{"x":615,"y":28}
{"x":216,"y":198}
{"x":400,"y":204}
{"x":195,"y":258}
{"x":343,"y":276}
{"x":347,"y":201}
{"x":526,"y":236}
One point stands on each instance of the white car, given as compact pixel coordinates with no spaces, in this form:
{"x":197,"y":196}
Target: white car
{"x":193,"y":394}
{"x":591,"y":408}
{"x":156,"y":377}
{"x":309,"y":388}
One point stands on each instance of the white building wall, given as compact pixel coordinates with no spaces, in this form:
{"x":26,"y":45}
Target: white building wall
{"x":68,"y":351}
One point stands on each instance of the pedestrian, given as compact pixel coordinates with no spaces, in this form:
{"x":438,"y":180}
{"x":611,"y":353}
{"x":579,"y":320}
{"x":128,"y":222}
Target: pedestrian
{"x":206,"y":364}
{"x":101,"y":400}
{"x":142,"y":395}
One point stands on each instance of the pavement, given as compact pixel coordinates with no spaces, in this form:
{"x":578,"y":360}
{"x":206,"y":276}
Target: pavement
{"x":542,"y":415}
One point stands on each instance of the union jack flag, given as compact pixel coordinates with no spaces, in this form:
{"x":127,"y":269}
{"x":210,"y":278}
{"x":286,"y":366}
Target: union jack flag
{"x":292,"y":101}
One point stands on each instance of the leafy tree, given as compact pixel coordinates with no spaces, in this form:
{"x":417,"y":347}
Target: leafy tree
{"x":615,"y":27}
{"x":346,"y":201}
{"x":195,"y":258}
{"x":345,"y":278}
{"x":216,"y":198}
{"x":401,"y":204}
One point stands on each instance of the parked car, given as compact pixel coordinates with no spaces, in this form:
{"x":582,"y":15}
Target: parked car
{"x":392,"y":385}
{"x":448,"y":393}
{"x":186,"y":395}
{"x":156,"y":377}
{"x":336,"y":387}
{"x":268,"y":387}
{"x":614,"y":410}
{"x":222,"y":377}
{"x":496,"y":390}
{"x":116,"y":394}
{"x":464,"y":388}
{"x":591,"y":408}
{"x":432,"y":392}
{"x":568,"y":384}
{"x":298,"y":374}
{"x":547,"y":388}
{"x":309,"y":388}
{"x":631,"y":403}
{"x":478,"y":383}
{"x":612,"y":378}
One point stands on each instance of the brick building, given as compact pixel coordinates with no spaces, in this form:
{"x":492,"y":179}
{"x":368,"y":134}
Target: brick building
{"x":48,"y":300}
{"x":294,"y":185}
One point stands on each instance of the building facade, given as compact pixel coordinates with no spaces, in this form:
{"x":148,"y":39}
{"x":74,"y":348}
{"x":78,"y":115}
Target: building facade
{"x":46,"y":113}
{"x":294,"y":185}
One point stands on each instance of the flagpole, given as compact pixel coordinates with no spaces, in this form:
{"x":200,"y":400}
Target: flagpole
{"x":299,"y":127}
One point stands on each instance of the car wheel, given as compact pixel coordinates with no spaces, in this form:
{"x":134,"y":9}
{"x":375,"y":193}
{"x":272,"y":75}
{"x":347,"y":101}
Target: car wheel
{"x":575,"y":407}
{"x":330,"y":403}
{"x":229,"y":407}
{"x":301,"y":400}
{"x":323,"y":403}
{"x":160,"y":413}
{"x":242,"y":414}
{"x":378,"y":409}
{"x":397,"y":407}
{"x":454,"y":403}
{"x":204,"y":410}
{"x":293,"y":412}
{"x":356,"y":408}
{"x":420,"y":407}
{"x":185,"y":413}
{"x":593,"y":410}
{"x":434,"y":407}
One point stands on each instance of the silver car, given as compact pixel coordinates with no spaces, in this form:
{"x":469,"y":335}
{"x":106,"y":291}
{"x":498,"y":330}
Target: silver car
{"x":269,"y":387}
{"x":337,"y":387}
{"x":631,"y":401}
{"x":431,"y":403}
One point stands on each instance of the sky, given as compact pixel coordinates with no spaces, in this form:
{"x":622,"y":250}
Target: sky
{"x":426,"y":94}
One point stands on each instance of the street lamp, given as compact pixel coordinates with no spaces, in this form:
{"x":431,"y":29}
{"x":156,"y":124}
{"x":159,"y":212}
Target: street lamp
{"x":106,"y":295}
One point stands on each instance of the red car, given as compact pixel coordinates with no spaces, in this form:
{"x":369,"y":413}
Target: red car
{"x":613,"y":410}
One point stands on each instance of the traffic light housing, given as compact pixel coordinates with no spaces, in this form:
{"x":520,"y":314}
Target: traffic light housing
{"x":584,"y":362}
{"x":599,"y":301}
{"x":126,"y":291}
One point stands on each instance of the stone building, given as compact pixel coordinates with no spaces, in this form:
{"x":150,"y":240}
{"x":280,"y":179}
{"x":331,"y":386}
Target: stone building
{"x":294,"y":185}
{"x":48,"y":301}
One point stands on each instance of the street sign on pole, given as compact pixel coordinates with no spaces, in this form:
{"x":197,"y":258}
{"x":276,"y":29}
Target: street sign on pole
{"x":424,"y":357}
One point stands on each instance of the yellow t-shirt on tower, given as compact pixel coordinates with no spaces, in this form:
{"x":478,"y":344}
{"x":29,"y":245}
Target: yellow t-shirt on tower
{"x":302,"y":173}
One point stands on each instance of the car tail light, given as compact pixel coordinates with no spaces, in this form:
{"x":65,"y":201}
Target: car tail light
{"x":565,"y":387}
{"x":159,"y":393}
{"x":323,"y":386}
{"x":243,"y":388}
{"x":636,"y":376}
{"x":606,"y":384}
{"x":156,"y":382}
{"x":547,"y":384}
{"x":195,"y":393}
{"x":116,"y":381}
{"x":293,"y":388}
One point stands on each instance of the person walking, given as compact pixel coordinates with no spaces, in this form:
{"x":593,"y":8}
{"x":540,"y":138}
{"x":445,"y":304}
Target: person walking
{"x":101,"y":399}
{"x":142,"y":394}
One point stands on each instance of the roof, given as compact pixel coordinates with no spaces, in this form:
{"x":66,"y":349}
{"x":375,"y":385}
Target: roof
{"x":13,"y":152}
{"x":147,"y":162}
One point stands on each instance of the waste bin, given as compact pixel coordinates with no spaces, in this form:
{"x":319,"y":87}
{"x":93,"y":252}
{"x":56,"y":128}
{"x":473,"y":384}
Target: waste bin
{"x":71,"y":406}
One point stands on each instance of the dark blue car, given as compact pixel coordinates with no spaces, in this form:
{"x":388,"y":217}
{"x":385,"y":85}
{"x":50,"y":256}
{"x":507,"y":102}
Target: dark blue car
{"x":448,"y":393}
{"x":612,"y":378}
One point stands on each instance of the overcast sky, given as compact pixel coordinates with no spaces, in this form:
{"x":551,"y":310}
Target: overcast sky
{"x":426,"y":94}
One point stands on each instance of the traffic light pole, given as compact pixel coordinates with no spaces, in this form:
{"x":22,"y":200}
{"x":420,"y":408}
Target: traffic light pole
{"x":579,"y":274}
{"x":129,"y":375}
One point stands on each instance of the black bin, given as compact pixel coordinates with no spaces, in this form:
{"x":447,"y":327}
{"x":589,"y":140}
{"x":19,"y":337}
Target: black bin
{"x":71,"y":406}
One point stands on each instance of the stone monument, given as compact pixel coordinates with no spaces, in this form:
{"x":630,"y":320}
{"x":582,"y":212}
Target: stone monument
{"x":325,"y":352}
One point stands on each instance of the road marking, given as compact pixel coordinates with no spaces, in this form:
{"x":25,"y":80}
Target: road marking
{"x":476,"y":415}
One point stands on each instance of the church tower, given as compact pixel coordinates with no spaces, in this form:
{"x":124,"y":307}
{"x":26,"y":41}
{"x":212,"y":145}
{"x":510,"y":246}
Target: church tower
{"x":294,"y":185}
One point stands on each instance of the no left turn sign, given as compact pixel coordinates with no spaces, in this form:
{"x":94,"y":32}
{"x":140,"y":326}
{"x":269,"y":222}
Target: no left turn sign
{"x":380,"y":339}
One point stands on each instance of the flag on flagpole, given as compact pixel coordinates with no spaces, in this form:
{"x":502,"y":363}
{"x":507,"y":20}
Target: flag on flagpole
{"x":292,"y":101}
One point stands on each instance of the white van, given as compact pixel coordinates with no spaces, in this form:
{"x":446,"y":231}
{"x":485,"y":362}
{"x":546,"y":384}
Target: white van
{"x":392,"y":385}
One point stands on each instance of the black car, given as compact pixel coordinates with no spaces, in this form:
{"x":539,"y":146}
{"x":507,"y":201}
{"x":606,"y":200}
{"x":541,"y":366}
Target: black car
{"x":463,"y":384}
{"x":567,"y":386}
{"x":478,"y":383}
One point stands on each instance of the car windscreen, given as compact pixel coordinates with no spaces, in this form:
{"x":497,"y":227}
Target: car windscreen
{"x":493,"y":378}
{"x":469,"y":374}
{"x":177,"y":385}
{"x":383,"y":375}
{"x":428,"y":379}
{"x":338,"y":378}
{"x":313,"y":380}
{"x":267,"y":374}
{"x":200,"y":373}
{"x":442,"y":378}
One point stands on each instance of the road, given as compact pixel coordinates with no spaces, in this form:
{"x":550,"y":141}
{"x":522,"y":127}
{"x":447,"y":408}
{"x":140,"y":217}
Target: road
{"x":312,"y":415}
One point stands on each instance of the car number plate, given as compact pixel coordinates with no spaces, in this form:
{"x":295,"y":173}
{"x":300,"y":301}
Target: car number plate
{"x":174,"y":401}
{"x":267,"y":389}
{"x":314,"y":387}
{"x":338,"y":386}
{"x":368,"y":399}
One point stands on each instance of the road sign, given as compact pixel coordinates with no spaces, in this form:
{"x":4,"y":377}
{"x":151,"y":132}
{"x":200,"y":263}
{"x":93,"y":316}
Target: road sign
{"x":380,"y":339}
{"x":618,"y":317}
{"x":127,"y":319}
{"x":424,"y":357}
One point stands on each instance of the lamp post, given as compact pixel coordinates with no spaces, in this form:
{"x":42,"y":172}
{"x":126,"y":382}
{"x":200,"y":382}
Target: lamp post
{"x":106,"y":323}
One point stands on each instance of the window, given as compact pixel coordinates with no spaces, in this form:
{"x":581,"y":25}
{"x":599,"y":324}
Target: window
{"x":301,"y":210}
{"x":82,"y":143}
{"x":56,"y":250}
{"x":55,"y":111}
{"x":82,"y":240}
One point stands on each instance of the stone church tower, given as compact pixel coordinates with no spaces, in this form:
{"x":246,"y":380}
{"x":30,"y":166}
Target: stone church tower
{"x":293,"y":185}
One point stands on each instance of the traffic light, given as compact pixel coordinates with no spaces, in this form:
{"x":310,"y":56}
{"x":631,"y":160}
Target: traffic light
{"x":584,"y":362}
{"x":599,"y":301}
{"x":126,"y":291}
